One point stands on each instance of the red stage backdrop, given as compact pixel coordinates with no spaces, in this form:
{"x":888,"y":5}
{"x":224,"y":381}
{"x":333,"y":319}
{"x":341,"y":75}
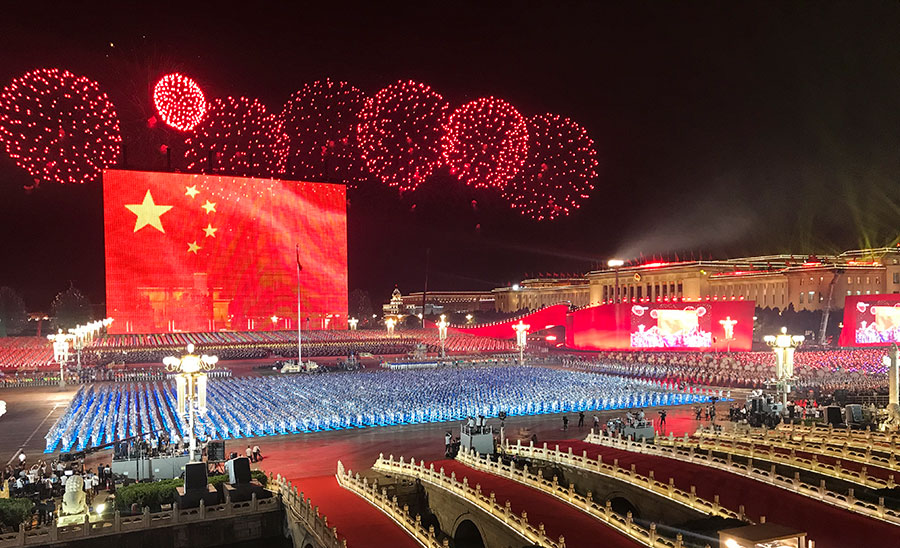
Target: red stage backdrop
{"x":545,"y":318}
{"x":662,"y":326}
{"x":210,"y":253}
{"x":871,"y":320}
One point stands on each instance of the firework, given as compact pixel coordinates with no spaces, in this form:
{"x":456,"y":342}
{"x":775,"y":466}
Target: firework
{"x":59,"y":127}
{"x":485,"y":143}
{"x":179,"y":101}
{"x":400,"y":133}
{"x":559,"y":172}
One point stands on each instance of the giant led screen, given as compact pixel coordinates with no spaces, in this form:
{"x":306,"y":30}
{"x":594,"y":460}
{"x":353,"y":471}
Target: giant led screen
{"x":706,"y":325}
{"x":212,"y":253}
{"x":871,"y":320}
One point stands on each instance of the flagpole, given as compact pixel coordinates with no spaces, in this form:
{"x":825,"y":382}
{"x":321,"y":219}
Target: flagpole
{"x":299,"y":320}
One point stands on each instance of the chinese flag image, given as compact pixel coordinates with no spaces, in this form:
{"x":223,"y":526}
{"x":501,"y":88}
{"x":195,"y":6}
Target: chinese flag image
{"x":209,"y":253}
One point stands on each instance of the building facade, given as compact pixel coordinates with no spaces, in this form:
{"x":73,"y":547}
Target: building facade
{"x":773,"y":281}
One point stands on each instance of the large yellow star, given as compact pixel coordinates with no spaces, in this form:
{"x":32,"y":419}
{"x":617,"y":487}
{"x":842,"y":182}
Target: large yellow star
{"x":210,"y":231}
{"x":191,"y":191}
{"x":210,"y":207}
{"x":193,"y":247}
{"x":148,"y":213}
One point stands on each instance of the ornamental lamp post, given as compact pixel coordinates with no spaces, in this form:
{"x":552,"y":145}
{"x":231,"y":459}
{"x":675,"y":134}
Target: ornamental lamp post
{"x":190,"y":385}
{"x":61,"y":343}
{"x":442,"y":334}
{"x":352,"y":323}
{"x":521,"y":339}
{"x":784,"y":346}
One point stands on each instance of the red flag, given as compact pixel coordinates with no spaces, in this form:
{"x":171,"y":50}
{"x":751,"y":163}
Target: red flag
{"x":299,"y":266}
{"x":207,"y":253}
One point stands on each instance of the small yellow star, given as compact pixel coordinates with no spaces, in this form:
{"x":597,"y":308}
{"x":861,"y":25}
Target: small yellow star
{"x":210,"y":231}
{"x":192,"y":191}
{"x":210,"y":207}
{"x":193,"y":247}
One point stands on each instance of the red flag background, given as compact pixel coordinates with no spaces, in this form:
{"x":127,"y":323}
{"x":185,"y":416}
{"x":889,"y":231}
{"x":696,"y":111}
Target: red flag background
{"x":208,"y":253}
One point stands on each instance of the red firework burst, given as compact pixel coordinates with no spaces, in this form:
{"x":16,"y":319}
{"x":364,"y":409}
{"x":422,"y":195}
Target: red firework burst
{"x":485,"y":142}
{"x":400,"y":133}
{"x":237,"y":137}
{"x":58,"y":126}
{"x":558,"y":175}
{"x":319,"y":124}
{"x":179,"y":101}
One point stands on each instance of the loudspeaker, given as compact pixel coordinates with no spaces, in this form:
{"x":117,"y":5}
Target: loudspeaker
{"x":215,"y":451}
{"x":238,"y":470}
{"x":195,"y":476}
{"x":833,"y":415}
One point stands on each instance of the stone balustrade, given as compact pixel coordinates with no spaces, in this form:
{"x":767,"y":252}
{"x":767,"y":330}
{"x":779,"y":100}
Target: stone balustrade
{"x":847,"y":501}
{"x":51,"y":534}
{"x":629,"y":476}
{"x":597,"y":510}
{"x":302,"y":509}
{"x":474,"y":495}
{"x":754,"y":449}
{"x":881,"y":456}
{"x":379,"y":499}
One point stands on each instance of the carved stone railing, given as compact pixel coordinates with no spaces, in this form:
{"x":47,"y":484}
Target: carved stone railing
{"x":488,"y":503}
{"x":302,"y":509}
{"x":858,"y":439}
{"x":754,"y":449}
{"x":847,"y":501}
{"x":882,"y":457}
{"x":600,"y":511}
{"x":379,"y":499}
{"x":631,"y":477}
{"x":52,"y":534}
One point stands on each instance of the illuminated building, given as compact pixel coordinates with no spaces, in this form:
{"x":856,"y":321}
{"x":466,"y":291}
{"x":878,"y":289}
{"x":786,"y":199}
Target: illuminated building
{"x":772,"y":281}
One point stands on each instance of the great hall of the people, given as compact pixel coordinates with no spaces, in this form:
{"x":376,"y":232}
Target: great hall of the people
{"x":772,"y":281}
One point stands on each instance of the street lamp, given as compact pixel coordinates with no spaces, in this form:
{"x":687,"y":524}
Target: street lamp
{"x":352,"y":322}
{"x":784,"y":346}
{"x":442,"y":334}
{"x":615,"y":264}
{"x":61,"y":343}
{"x":83,"y":335}
{"x":469,"y":318}
{"x":521,"y":339}
{"x":190,"y":385}
{"x":389,"y":324}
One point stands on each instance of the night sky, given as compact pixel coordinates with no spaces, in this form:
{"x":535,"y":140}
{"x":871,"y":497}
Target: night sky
{"x":721,"y":131}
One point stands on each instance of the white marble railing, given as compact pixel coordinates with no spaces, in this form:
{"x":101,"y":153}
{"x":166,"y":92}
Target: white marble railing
{"x":474,"y":495}
{"x":379,"y":499}
{"x":629,"y":476}
{"x":847,"y":501}
{"x":859,"y":439}
{"x":754,"y":449}
{"x":599,"y":511}
{"x":303,"y":510}
{"x":885,"y":457}
{"x":51,"y":534}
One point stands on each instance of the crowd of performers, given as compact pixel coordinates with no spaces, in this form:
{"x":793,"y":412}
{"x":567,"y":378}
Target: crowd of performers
{"x":282,"y":404}
{"x":855,"y":371}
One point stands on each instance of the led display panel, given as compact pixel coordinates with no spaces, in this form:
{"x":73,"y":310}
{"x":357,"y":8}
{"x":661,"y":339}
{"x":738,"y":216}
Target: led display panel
{"x":871,"y":320}
{"x":708,"y":325}
{"x":188,"y":253}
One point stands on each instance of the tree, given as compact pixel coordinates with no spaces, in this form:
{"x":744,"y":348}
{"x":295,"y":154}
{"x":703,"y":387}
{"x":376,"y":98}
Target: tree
{"x":70,"y":308}
{"x":13,"y":316}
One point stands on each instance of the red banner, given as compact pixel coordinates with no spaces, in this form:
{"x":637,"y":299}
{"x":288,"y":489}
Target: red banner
{"x":209,"y":253}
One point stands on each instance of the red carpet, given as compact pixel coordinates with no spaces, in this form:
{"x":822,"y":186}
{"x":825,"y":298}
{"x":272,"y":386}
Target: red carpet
{"x":579,"y":529}
{"x":356,"y":520}
{"x":830,"y":527}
